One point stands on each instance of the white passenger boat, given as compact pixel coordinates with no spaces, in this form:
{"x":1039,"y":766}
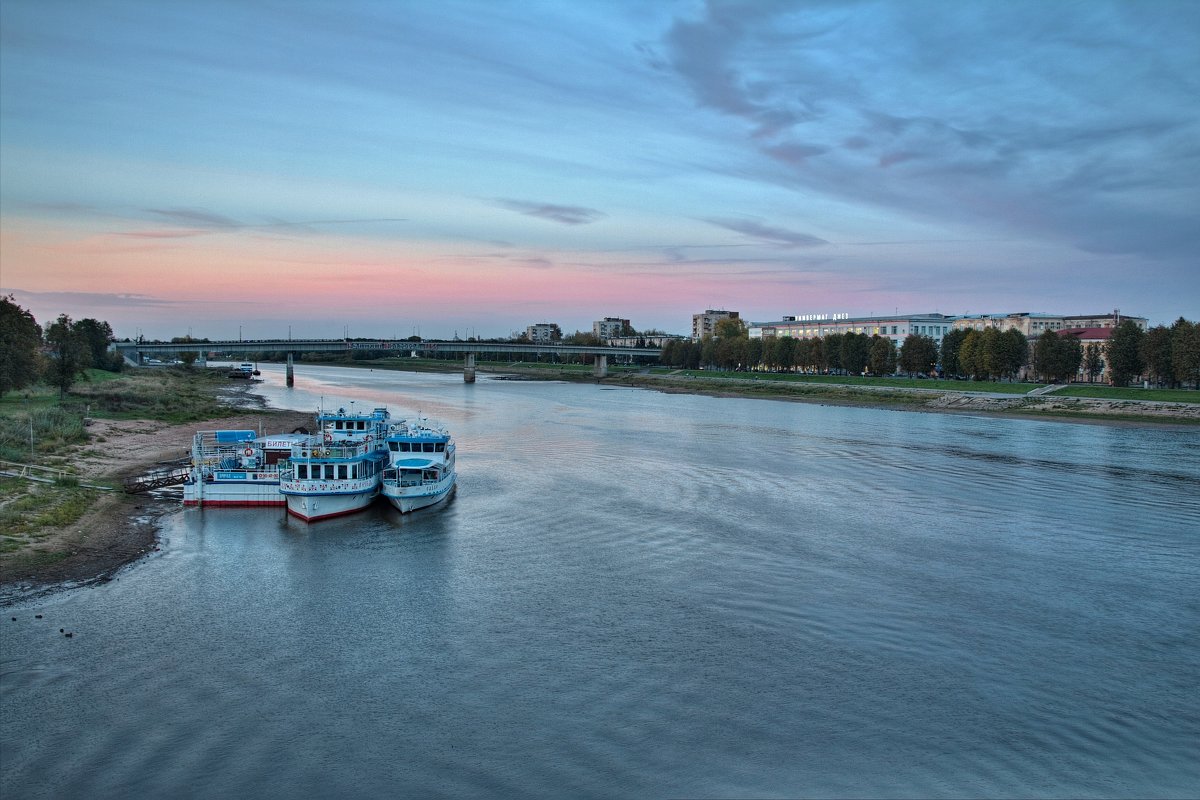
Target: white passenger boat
{"x":237,"y":468}
{"x":420,"y":470}
{"x":336,"y":471}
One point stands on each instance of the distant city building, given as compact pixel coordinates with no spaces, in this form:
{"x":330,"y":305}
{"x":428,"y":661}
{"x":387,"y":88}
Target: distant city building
{"x":609,"y":327}
{"x":543,"y":332}
{"x":1034,"y":325}
{"x":704,"y":324}
{"x":894,"y":327}
{"x":1111,"y":320}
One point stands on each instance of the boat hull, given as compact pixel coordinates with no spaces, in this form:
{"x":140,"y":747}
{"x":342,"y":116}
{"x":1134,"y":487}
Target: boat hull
{"x":314,"y":507}
{"x":242,"y":493}
{"x":411,"y":498}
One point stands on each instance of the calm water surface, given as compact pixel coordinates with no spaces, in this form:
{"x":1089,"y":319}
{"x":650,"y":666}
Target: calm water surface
{"x":646,"y":595}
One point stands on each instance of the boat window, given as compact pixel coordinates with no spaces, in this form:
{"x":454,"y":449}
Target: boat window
{"x":428,"y":447}
{"x":301,"y":472}
{"x":362,"y":425}
{"x":441,"y":447}
{"x":343,"y":472}
{"x":353,"y":471}
{"x":394,"y":446}
{"x":403,"y":447}
{"x":337,"y":426}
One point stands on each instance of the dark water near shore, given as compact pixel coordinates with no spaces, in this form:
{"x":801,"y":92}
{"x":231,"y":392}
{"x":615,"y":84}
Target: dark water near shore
{"x":646,"y":595}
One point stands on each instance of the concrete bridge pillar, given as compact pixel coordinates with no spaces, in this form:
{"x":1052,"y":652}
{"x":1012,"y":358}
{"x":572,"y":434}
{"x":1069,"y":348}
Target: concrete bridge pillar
{"x":291,"y":373}
{"x":202,"y":358}
{"x":469,"y":369}
{"x":600,"y":367}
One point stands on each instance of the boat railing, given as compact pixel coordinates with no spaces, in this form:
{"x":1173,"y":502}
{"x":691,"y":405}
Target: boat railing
{"x":332,"y":450}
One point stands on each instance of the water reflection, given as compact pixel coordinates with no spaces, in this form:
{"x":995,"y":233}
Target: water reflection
{"x":635,"y":594}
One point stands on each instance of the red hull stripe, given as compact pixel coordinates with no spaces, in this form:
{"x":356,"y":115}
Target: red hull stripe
{"x":242,"y":503}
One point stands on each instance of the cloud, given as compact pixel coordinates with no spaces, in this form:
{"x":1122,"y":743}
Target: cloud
{"x":207,"y":220}
{"x":780,"y":237}
{"x":1069,"y":123}
{"x":195,"y":217}
{"x":100,"y":299}
{"x":567,"y":215}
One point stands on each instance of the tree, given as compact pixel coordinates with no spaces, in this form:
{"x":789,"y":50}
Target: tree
{"x":1057,"y":357}
{"x":951,"y":342}
{"x":987,"y":358}
{"x":918,"y":354}
{"x":882,"y":356}
{"x":708,"y":351}
{"x":754,"y":352}
{"x":189,"y":358}
{"x":1124,"y":353}
{"x":20,"y":346}
{"x":856,"y":352}
{"x":1093,"y":360}
{"x":833,"y":351}
{"x":968,"y":354}
{"x":96,"y":335}
{"x":729,"y":328}
{"x":1185,"y":351}
{"x":785,"y":353}
{"x":1156,"y":354}
{"x":1013,"y":352}
{"x":69,"y":355}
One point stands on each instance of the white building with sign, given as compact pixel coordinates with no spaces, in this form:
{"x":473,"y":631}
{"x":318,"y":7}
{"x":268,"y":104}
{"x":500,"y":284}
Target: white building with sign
{"x":895,"y":327}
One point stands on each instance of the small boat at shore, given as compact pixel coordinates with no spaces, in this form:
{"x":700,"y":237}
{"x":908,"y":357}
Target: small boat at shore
{"x":336,"y":471}
{"x":237,"y":468}
{"x":420,"y":470}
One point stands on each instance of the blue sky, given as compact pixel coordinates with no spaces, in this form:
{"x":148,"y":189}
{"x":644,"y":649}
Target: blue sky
{"x":480,"y":166}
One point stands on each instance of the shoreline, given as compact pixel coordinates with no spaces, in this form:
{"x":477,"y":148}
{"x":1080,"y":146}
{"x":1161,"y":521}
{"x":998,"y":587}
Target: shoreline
{"x":1046,"y":408}
{"x":118,"y":529}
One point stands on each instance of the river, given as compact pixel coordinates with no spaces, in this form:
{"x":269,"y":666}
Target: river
{"x":635,"y":594}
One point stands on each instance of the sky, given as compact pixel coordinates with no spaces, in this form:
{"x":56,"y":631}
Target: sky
{"x":380,"y":169}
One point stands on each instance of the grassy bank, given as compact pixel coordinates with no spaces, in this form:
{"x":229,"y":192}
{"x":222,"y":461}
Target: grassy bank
{"x":1129,"y":393}
{"x":40,"y":428}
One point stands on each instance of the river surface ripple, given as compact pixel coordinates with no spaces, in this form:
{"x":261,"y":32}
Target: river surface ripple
{"x":644,"y":595}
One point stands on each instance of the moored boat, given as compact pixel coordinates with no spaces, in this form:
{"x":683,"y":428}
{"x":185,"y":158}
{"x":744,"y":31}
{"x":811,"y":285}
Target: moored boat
{"x":336,"y":471}
{"x":420,"y":469}
{"x":236,"y":468}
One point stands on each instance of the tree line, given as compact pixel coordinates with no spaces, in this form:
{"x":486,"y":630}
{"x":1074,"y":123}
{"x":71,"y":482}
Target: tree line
{"x":1167,"y":356}
{"x":57,"y":355}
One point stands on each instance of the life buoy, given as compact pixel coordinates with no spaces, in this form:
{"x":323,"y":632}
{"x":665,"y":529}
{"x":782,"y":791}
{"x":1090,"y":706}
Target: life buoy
{"x":249,"y":451}
{"x":328,"y":438}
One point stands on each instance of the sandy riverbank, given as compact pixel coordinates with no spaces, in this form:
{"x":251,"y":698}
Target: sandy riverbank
{"x":119,"y":528}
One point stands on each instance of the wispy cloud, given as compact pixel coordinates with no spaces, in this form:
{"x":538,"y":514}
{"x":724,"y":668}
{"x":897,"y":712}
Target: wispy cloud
{"x":201,"y":220}
{"x":567,"y":215}
{"x":99,"y":299}
{"x":780,"y":237}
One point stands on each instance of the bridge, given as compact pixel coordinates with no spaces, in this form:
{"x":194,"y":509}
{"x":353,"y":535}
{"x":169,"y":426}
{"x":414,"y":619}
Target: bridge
{"x":138,"y":352}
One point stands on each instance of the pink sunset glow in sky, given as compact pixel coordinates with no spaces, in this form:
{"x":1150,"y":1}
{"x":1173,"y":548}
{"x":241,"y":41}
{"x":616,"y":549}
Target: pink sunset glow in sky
{"x":478,"y":167}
